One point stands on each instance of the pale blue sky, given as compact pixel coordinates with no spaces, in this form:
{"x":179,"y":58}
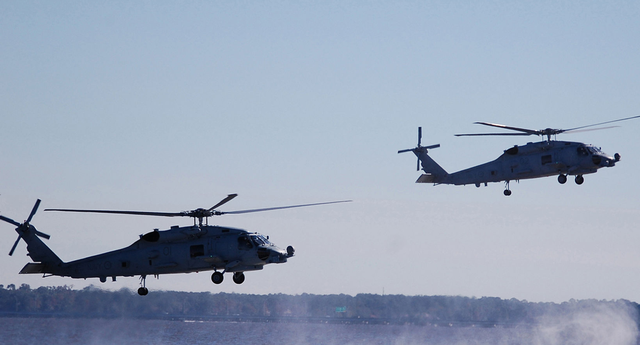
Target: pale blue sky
{"x":171,"y":106}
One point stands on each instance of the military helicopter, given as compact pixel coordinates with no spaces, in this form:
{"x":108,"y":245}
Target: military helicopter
{"x":201,"y":247}
{"x":533,"y":160}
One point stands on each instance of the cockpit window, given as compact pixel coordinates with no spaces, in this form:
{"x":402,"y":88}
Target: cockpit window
{"x":260,"y":240}
{"x":244,"y":243}
{"x":593,"y":150}
{"x":582,"y":151}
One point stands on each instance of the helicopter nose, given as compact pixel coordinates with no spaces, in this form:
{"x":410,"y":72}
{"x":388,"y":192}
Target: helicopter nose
{"x":278,"y":257}
{"x":604,"y":161}
{"x":272,"y":255}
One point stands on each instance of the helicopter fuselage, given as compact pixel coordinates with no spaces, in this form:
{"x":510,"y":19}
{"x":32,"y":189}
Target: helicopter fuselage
{"x":178,"y":250}
{"x":533,"y":160}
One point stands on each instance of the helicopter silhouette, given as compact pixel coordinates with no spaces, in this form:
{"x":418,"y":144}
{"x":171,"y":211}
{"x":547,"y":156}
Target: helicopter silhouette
{"x":200,"y":247}
{"x":533,"y":160}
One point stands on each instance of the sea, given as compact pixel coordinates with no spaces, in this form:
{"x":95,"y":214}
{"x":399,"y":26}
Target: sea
{"x":19,"y":330}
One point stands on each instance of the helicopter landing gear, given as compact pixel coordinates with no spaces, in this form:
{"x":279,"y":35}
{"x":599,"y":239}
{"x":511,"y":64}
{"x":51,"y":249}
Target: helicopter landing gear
{"x":143,"y":291}
{"x":562,"y":178}
{"x":238,"y":277}
{"x":507,"y":191}
{"x":217,"y":277}
{"x":579,"y":179}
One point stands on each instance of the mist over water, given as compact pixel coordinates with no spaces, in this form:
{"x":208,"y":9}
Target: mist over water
{"x":593,"y":323}
{"x":596,"y":323}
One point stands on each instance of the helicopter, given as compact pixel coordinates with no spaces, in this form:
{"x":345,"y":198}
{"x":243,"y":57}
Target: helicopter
{"x":181,"y":249}
{"x":533,"y":160}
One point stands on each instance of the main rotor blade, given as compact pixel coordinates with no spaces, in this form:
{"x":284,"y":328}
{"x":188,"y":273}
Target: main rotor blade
{"x":589,"y":130}
{"x":224,"y":201}
{"x":15,"y":244}
{"x":279,"y":208}
{"x":139,"y":213}
{"x":33,"y":211}
{"x":529,"y":131}
{"x":483,"y":134}
{"x":9,"y":220}
{"x":603,"y":123}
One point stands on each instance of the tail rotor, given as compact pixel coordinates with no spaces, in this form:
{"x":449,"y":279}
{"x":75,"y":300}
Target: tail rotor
{"x":420,"y":148}
{"x":15,"y":244}
{"x":25,"y":228}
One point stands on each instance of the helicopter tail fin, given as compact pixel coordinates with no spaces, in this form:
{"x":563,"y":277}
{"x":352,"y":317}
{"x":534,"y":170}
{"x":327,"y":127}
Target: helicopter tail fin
{"x":434,"y":173}
{"x":45,"y":260}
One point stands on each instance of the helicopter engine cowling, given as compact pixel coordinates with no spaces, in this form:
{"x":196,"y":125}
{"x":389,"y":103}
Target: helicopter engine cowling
{"x":175,"y":234}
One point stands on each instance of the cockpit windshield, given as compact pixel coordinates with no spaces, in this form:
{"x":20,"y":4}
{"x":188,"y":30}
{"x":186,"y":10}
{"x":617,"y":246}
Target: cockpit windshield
{"x":585,"y":150}
{"x":260,"y":240}
{"x":593,"y":149}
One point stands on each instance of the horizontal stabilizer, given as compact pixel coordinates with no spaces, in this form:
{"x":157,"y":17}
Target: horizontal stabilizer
{"x":426,"y":178}
{"x":33,"y":268}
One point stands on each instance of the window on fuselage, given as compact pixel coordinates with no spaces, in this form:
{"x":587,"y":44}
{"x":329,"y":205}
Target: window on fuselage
{"x":197,"y":250}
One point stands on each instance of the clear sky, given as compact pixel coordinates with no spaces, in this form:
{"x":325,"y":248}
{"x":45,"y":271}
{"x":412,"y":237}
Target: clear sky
{"x":170,"y":106}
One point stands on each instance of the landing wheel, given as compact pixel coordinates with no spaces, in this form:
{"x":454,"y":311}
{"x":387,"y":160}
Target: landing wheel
{"x":507,"y":191}
{"x":238,"y":277}
{"x":143,"y":291}
{"x":217,"y":277}
{"x":579,"y":179}
{"x":562,"y":178}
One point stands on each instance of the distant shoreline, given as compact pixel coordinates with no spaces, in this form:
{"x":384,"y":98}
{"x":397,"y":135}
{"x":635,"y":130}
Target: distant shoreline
{"x":437,"y":311}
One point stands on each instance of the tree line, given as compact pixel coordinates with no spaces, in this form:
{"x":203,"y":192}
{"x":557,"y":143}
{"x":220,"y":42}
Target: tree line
{"x":92,"y":302}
